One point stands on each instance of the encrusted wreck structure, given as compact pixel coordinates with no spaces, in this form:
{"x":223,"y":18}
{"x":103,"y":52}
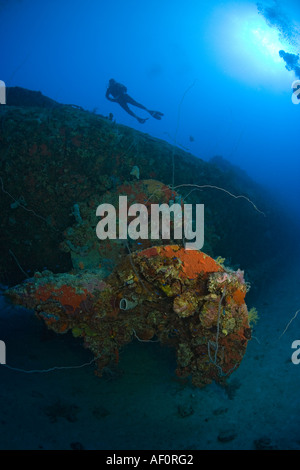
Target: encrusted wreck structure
{"x":181,"y":298}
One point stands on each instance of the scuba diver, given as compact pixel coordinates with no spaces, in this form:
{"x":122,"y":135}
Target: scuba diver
{"x":119,"y":94}
{"x":291,"y":61}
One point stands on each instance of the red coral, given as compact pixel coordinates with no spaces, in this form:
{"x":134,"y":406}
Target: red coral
{"x":65,"y":295}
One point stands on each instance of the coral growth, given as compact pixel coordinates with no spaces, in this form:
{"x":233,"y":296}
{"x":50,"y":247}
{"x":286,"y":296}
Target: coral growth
{"x":182,"y":298}
{"x":80,"y":241}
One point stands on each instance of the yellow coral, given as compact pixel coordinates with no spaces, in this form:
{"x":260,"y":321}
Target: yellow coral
{"x":76,"y":331}
{"x":220,"y":261}
{"x":167,"y":290}
{"x":252,"y":316}
{"x":228,"y":326}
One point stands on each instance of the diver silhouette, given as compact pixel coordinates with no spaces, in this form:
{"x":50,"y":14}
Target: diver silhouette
{"x":120,"y":96}
{"x":291,"y":62}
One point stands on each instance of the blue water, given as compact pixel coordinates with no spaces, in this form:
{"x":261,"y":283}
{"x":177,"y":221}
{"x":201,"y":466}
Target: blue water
{"x":214,"y":70}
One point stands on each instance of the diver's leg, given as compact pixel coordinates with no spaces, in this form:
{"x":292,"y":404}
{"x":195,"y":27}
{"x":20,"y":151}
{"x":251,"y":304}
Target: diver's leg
{"x":155,"y":114}
{"x":128,"y":110}
{"x":134,"y":103}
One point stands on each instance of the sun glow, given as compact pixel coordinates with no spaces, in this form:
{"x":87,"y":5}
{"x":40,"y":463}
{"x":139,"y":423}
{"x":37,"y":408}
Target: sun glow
{"x":246,"y":47}
{"x":268,"y":41}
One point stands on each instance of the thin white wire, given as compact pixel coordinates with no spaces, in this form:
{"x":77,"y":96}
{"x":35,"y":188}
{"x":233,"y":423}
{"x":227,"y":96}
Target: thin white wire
{"x":41,"y":371}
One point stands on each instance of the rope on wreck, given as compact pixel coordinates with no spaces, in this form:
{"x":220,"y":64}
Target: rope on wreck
{"x":18,"y":264}
{"x":51,"y":369}
{"x":207,"y":186}
{"x":214,"y":359}
{"x":204,"y":186}
{"x":19,"y":204}
{"x":287,"y":326}
{"x":177,"y":127}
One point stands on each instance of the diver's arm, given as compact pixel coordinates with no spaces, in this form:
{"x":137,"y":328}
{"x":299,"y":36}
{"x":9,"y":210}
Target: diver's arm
{"x":108,"y":97}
